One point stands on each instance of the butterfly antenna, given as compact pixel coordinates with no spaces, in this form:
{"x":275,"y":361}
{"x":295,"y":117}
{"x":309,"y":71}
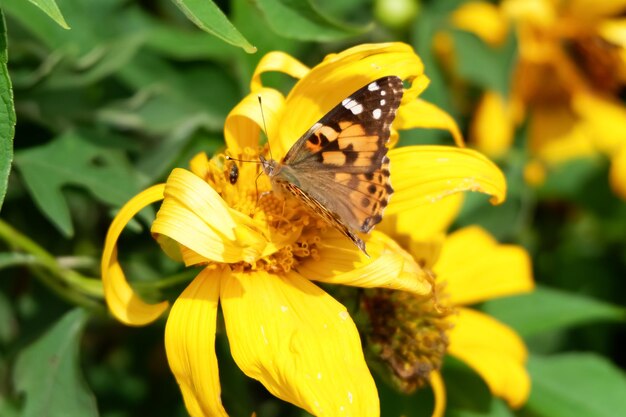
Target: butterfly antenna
{"x":267,"y":135}
{"x":230,"y":158}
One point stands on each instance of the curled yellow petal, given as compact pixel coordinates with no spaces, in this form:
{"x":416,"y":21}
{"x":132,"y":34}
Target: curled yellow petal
{"x":124,"y":304}
{"x":277,"y":61}
{"x":439,"y":391}
{"x":190,"y":344}
{"x":422,"y":114}
{"x":299,"y":342}
{"x":388,"y":266}
{"x":492,"y":127}
{"x":495,"y":352}
{"x":617,"y":175}
{"x":340,"y":75}
{"x":194,"y":215}
{"x":482,"y":19}
{"x":245,"y":121}
{"x":425,"y":174}
{"x":477,"y":268}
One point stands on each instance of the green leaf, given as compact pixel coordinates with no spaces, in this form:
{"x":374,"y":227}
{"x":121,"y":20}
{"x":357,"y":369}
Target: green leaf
{"x":300,"y":19}
{"x":48,"y":372}
{"x":51,"y":9}
{"x":497,"y":408}
{"x":73,"y":160}
{"x":549,"y":309}
{"x":208,"y":17}
{"x":490,"y":68}
{"x":7,"y":114}
{"x":576,"y":385}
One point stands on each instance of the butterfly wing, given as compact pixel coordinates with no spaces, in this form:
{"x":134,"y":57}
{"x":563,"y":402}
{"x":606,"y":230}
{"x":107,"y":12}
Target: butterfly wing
{"x":341,"y":164}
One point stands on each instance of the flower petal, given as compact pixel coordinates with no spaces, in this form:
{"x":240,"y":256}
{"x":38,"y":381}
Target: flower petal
{"x":482,"y":19}
{"x":492,"y":127}
{"x":590,"y":9}
{"x":617,"y":175}
{"x":439,"y":391}
{"x":194,"y":215}
{"x":476,"y":267}
{"x":557,"y":135}
{"x":124,"y":304}
{"x":277,"y":61}
{"x":422,"y":223}
{"x":604,"y":120}
{"x":190,"y":344}
{"x":299,"y":342}
{"x":495,"y":352}
{"x":422,"y":114}
{"x":244,"y":122}
{"x":388,"y":266}
{"x":424,"y":174}
{"x":340,"y":75}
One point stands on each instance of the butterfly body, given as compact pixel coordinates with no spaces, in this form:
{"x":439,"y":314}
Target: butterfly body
{"x":339,"y":168}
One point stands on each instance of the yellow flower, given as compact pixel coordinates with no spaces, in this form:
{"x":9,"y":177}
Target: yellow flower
{"x":259,"y":254}
{"x":468,"y":267}
{"x":570,"y":70}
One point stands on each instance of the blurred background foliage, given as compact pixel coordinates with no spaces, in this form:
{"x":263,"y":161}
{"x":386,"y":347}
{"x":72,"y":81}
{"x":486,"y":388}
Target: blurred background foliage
{"x":110,"y":95}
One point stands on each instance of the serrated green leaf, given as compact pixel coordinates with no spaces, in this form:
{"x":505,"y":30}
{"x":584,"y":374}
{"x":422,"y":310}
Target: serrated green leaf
{"x":48,"y":372}
{"x":549,"y":309}
{"x":51,"y":9}
{"x":207,"y":16}
{"x":73,"y":160}
{"x":7,"y":114}
{"x":576,"y":385}
{"x":300,"y":19}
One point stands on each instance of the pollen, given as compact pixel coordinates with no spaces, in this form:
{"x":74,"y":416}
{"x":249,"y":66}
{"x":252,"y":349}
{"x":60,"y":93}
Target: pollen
{"x":408,"y":334}
{"x":288,"y":224}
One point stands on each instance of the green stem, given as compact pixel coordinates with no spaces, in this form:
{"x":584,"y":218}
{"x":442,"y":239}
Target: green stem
{"x":70,"y":280}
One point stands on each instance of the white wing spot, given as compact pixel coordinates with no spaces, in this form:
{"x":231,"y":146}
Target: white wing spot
{"x":358,"y":109}
{"x":345,"y":102}
{"x":377,"y":113}
{"x":382,"y":102}
{"x":373,"y":86}
{"x":383,"y":92}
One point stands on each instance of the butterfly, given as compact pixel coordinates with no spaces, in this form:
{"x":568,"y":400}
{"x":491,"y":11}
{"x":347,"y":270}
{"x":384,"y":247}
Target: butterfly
{"x":339,"y":167}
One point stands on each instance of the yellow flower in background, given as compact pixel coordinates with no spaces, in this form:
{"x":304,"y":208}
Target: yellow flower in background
{"x":412,"y":335}
{"x":571,"y":67}
{"x":259,"y":254}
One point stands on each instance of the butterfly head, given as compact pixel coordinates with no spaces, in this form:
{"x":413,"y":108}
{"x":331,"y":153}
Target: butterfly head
{"x":270,"y":166}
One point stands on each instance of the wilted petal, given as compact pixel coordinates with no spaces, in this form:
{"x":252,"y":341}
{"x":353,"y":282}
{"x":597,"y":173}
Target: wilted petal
{"x":425,"y":174}
{"x":194,"y":215}
{"x":492,"y":127}
{"x":124,"y":304}
{"x":422,"y":114}
{"x":388,"y":266}
{"x":495,"y":352}
{"x":190,"y":344}
{"x":277,"y":61}
{"x":477,"y":268}
{"x":244,"y":122}
{"x":299,"y":342}
{"x":483,"y":20}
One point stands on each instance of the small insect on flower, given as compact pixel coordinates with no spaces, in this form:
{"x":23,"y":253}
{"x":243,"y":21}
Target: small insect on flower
{"x":233,"y":174}
{"x":339,"y":168}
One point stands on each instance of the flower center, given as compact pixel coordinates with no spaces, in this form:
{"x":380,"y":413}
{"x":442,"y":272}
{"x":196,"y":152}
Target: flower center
{"x":291,"y":228}
{"x":408,"y":334}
